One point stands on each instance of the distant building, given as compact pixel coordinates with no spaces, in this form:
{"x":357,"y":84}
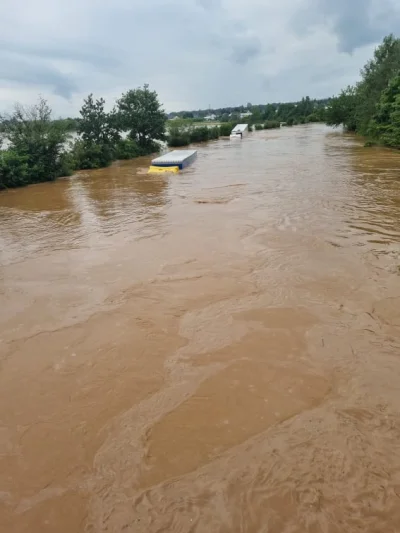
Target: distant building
{"x":246,"y":115}
{"x":210,"y":117}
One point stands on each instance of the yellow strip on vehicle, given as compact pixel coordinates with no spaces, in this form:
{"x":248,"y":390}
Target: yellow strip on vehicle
{"x":159,"y":170}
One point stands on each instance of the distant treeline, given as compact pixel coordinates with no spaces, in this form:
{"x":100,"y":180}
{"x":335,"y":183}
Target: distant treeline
{"x":301,"y":112}
{"x":372,"y":106}
{"x":69,"y":124}
{"x":39,"y":148}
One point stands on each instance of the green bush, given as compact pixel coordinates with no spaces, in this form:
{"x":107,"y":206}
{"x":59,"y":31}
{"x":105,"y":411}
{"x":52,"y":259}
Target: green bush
{"x":272,"y":124}
{"x":213,"y":133}
{"x":258,"y":127}
{"x":36,"y":145}
{"x":226,"y":128}
{"x":178,"y":134}
{"x":127,"y":149}
{"x":17,"y":170}
{"x":182,"y":135}
{"x":203,"y":134}
{"x":200,"y":134}
{"x":14,"y":169}
{"x":88,"y":155}
{"x":385,"y":125}
{"x":177,"y":141}
{"x":67,"y":164}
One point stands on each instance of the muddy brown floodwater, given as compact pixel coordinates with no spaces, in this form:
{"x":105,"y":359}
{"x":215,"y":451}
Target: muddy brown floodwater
{"x":214,"y":351}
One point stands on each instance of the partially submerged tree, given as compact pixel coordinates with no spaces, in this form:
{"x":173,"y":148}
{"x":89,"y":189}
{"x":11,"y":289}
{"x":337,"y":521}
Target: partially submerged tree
{"x":99,"y":134}
{"x":375,"y":77}
{"x":386,"y":122}
{"x":342,"y":110}
{"x":369,"y":107}
{"x":36,"y":146}
{"x":140,"y":113}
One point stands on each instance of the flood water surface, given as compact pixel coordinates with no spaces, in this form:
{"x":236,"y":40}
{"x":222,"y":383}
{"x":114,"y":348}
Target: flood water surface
{"x":213,"y":351}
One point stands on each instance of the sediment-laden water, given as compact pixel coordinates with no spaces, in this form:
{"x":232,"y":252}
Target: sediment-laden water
{"x":214,"y":351}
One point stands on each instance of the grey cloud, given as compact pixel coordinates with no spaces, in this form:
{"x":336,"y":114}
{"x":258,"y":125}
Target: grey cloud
{"x":327,"y":73}
{"x":265,"y":83}
{"x":231,"y":35}
{"x":356,"y":23}
{"x":198,"y":53}
{"x":83,"y":54}
{"x":245,"y":51}
{"x":24,"y":72}
{"x":209,"y":4}
{"x":33,"y":64}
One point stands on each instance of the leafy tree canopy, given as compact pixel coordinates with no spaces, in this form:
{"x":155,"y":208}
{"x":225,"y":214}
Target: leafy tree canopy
{"x":371,"y":106}
{"x":140,"y":113}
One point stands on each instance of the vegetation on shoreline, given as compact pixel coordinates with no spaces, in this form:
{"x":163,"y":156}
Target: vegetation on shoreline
{"x":290,"y":114}
{"x":372,"y":107}
{"x":38,"y":147}
{"x":184,"y":132}
{"x":268,"y":125}
{"x":302,"y":112}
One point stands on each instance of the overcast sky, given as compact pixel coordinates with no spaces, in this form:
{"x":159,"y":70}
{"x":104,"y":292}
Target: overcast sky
{"x":194,"y":53}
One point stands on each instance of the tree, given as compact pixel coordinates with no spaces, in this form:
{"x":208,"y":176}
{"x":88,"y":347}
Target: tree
{"x":69,"y":124}
{"x":357,"y":107}
{"x":342,"y":109}
{"x":140,"y":113}
{"x":301,"y":107}
{"x":270,"y":112}
{"x":99,"y":134}
{"x":386,"y":122}
{"x":95,"y":125}
{"x":375,"y":77}
{"x":14,"y":170}
{"x":256,"y":116}
{"x":36,"y":145}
